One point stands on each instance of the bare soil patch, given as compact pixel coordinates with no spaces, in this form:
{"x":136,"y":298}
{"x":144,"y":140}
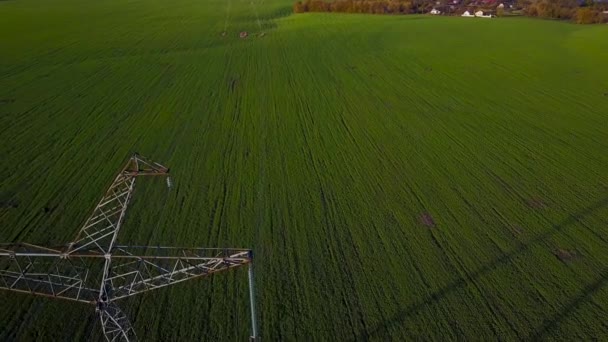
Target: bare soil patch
{"x":427,"y":220}
{"x":564,"y":255}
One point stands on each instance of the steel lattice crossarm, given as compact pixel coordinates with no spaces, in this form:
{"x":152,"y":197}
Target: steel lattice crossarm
{"x":46,"y":272}
{"x":135,"y":273}
{"x":94,"y":270}
{"x":134,"y":269}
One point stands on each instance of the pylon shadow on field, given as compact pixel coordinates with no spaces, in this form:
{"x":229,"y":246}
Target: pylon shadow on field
{"x":571,"y":307}
{"x":401,"y":317}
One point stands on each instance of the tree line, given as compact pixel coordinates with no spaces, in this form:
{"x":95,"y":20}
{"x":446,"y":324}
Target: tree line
{"x":583,"y":12}
{"x":355,"y":6}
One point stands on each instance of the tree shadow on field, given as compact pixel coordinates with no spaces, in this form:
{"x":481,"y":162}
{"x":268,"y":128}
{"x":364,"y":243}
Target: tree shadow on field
{"x":281,"y":12}
{"x":399,"y":318}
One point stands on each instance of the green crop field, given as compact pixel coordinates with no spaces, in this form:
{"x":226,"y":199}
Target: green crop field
{"x":399,"y":177}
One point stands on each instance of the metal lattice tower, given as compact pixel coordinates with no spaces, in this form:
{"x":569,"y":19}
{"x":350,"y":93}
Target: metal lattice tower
{"x":94,"y":269}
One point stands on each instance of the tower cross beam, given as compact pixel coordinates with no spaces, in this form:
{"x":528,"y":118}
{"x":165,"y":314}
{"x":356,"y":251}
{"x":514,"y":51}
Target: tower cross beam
{"x":92,"y":269}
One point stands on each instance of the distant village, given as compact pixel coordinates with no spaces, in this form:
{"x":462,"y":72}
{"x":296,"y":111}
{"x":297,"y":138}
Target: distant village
{"x":475,"y":9}
{"x":579,"y":11}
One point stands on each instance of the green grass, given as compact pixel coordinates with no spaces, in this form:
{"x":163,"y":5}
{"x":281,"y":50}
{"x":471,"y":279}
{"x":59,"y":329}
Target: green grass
{"x":319,"y":145}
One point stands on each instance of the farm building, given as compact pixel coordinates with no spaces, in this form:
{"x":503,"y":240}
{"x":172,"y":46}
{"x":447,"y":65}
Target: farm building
{"x":480,"y":14}
{"x":435,"y":11}
{"x":468,"y":14}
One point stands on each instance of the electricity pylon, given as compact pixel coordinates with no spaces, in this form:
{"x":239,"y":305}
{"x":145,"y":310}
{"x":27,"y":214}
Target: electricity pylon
{"x":94,"y":269}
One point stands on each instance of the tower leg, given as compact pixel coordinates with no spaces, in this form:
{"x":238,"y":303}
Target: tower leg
{"x":254,"y":326}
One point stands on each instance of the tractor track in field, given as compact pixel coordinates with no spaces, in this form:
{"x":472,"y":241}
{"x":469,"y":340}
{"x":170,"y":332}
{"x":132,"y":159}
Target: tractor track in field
{"x":228,"y":7}
{"x":257,"y":17}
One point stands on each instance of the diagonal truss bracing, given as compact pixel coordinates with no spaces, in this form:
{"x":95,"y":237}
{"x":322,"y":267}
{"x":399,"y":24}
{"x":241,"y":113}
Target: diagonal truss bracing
{"x":133,"y":269}
{"x":115,"y":324}
{"x":101,"y":228}
{"x":93,"y":269}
